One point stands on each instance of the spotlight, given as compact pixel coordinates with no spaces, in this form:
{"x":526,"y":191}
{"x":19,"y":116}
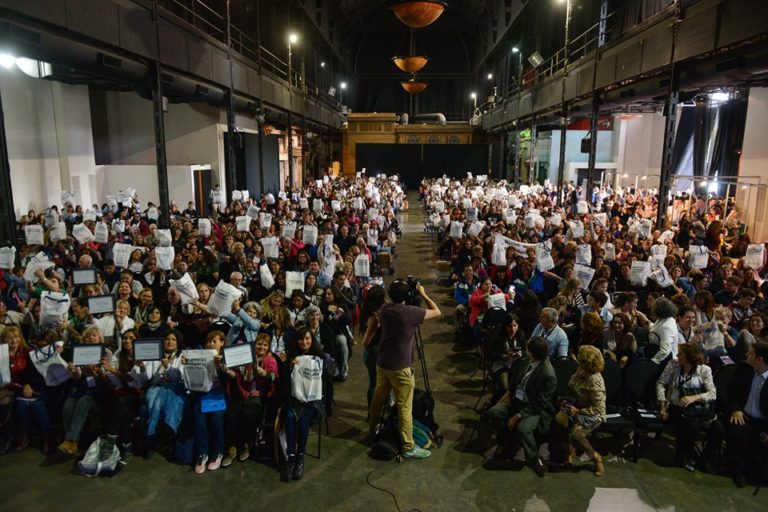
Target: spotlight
{"x":7,"y":60}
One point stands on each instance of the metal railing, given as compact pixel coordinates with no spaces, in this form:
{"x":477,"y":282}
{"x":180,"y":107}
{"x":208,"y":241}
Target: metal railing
{"x":200,"y":15}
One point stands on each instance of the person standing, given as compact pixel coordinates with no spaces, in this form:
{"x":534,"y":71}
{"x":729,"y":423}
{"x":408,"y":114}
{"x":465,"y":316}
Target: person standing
{"x":394,"y":372}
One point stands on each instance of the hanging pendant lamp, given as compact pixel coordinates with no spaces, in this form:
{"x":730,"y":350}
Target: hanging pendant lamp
{"x":414,"y":85}
{"x":410,"y":64}
{"x":418,"y":13}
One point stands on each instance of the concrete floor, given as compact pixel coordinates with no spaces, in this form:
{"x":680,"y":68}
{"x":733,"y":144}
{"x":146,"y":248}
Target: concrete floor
{"x":456,"y":477}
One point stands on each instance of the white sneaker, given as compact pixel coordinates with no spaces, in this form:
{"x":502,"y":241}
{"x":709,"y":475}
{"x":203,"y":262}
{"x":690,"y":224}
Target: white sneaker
{"x":417,"y":453}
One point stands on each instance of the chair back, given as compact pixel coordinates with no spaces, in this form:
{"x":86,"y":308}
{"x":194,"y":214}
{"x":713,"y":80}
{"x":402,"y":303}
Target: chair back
{"x":612,"y":378}
{"x":641,"y":382}
{"x":564,"y":369}
{"x":723,"y":378}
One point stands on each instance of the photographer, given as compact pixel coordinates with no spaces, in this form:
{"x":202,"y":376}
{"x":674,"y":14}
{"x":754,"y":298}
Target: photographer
{"x":399,"y":323}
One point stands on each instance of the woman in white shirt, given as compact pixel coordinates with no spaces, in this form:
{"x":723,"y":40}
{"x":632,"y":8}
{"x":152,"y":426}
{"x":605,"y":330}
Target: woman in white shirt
{"x":686,"y":393}
{"x":663,"y":332}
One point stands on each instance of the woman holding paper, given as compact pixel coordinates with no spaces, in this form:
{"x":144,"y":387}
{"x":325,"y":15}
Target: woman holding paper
{"x":244,"y":321}
{"x":89,"y":388}
{"x":248,"y":388}
{"x":166,"y":396}
{"x":129,"y":379}
{"x":479,"y":301}
{"x":209,"y":409}
{"x":26,"y":388}
{"x":305,"y":402}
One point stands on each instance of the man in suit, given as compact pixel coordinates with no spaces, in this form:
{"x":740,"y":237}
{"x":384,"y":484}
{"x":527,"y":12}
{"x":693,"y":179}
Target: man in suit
{"x":527,"y":407}
{"x":748,"y":396}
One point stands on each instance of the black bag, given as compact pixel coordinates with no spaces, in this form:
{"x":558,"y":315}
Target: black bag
{"x":424,"y":410}
{"x":387,"y":444}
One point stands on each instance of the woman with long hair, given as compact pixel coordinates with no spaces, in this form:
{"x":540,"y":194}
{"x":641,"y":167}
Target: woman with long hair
{"x":619,"y":342}
{"x":370,"y":327}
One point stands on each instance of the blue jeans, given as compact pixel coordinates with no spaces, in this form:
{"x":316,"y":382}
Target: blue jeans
{"x":342,"y":349}
{"x":298,"y":426}
{"x":370,"y":355}
{"x":37,"y":408}
{"x":208,"y":423}
{"x":75,"y":413}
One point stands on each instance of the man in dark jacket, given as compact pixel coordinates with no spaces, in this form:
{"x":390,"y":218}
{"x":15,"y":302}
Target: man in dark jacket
{"x":527,"y":407}
{"x":748,"y":394}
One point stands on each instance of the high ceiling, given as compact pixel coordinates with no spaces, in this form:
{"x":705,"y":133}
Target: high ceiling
{"x":461,"y":15}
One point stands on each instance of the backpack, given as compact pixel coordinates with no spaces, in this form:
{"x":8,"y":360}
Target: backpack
{"x":387,"y":445}
{"x":97,"y":464}
{"x":424,"y":414}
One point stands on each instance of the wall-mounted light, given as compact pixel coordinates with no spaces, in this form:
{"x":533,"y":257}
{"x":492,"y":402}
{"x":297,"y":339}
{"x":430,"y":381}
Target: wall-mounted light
{"x":7,"y":60}
{"x":293,"y":38}
{"x":322,"y":64}
{"x":490,"y":76}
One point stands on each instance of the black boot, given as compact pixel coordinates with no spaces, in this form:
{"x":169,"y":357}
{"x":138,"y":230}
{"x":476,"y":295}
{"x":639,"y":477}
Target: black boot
{"x":149,"y":447}
{"x":126,"y":450}
{"x":298,"y":471}
{"x":286,"y":475}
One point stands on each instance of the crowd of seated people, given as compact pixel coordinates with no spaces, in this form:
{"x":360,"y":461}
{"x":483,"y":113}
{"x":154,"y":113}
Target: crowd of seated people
{"x":284,"y":274}
{"x":592,"y":279}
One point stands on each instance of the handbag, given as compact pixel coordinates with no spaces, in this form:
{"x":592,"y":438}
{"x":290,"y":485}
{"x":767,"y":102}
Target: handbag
{"x":213,"y":402}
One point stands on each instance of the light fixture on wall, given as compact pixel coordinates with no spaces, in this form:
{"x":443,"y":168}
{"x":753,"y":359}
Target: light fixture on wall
{"x":535,"y":59}
{"x":7,"y":60}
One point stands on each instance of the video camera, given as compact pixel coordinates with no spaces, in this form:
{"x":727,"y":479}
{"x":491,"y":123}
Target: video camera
{"x":413,"y":298}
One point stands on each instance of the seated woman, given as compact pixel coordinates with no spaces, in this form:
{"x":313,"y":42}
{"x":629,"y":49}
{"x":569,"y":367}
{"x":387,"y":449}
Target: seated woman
{"x":304,"y":403}
{"x":757,"y":330}
{"x":248,"y":388}
{"x":244,"y":321}
{"x":22,"y":397}
{"x":129,"y":379}
{"x":281,"y":333}
{"x":154,"y":327}
{"x":619,"y":342}
{"x":591,"y":330}
{"x":297,"y":307}
{"x":209,"y":409}
{"x":503,"y":345}
{"x":715,"y":333}
{"x":478,"y":304}
{"x":89,"y":388}
{"x":584,"y":410}
{"x":166,"y":396}
{"x":686,"y":393}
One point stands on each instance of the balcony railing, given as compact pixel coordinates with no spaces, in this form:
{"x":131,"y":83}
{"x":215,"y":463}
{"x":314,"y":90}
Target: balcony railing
{"x":205,"y":18}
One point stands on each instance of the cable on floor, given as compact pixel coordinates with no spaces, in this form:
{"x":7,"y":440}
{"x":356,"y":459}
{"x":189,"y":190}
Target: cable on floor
{"x":397,"y":505}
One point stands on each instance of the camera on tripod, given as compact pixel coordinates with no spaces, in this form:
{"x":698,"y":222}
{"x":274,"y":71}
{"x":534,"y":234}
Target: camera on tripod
{"x":413,"y":298}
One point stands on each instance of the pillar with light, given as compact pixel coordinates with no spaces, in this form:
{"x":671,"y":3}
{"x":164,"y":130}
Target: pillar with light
{"x":516,"y":51}
{"x":473,"y":96}
{"x":293,"y":38}
{"x":564,"y":115}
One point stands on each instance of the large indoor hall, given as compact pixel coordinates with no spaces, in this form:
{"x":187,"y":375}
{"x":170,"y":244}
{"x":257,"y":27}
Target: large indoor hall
{"x":384,"y":255}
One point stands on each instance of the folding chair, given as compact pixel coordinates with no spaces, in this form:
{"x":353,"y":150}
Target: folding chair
{"x":641,"y":385}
